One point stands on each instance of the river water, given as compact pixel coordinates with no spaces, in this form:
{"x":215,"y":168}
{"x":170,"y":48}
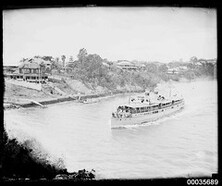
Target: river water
{"x":184,"y":144}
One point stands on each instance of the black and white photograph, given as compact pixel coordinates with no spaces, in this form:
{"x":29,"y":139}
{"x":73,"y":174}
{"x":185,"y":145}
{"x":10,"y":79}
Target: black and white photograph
{"x":102,"y":93}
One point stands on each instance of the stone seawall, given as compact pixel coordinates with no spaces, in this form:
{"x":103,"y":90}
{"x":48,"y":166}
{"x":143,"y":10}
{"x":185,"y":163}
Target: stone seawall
{"x":74,"y":98}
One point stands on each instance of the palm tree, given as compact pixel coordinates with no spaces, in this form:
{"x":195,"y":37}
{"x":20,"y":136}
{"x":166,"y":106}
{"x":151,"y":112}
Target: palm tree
{"x":63,"y":57}
{"x":41,"y":69}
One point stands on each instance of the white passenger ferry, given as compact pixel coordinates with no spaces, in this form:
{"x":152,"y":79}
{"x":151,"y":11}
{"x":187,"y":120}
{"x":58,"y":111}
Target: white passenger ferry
{"x":146,"y":108}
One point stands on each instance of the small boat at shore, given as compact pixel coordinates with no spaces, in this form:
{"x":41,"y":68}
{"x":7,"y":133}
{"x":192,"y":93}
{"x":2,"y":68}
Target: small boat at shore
{"x":89,"y":100}
{"x":146,"y":108}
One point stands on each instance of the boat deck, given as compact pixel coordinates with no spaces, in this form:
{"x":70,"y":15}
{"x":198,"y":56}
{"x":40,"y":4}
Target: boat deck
{"x":147,"y":104}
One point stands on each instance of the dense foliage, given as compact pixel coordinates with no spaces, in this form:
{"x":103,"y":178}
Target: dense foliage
{"x":90,"y":69}
{"x":17,"y":162}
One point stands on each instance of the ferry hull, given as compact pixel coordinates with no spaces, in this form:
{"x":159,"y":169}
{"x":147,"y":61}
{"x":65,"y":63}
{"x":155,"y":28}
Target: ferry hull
{"x":145,"y":117}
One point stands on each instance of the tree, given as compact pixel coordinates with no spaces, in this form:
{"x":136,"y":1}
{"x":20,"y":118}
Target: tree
{"x":57,"y":59}
{"x":163,"y":68}
{"x":47,"y":58}
{"x":56,"y":65}
{"x":63,"y":57}
{"x":190,"y":75}
{"x":70,"y":59}
{"x":150,"y":67}
{"x":82,"y":55}
{"x":193,"y":59}
{"x":93,"y":66}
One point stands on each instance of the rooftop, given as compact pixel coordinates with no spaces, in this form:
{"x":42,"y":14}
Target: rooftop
{"x":29,"y":65}
{"x":123,"y":63}
{"x":33,"y":63}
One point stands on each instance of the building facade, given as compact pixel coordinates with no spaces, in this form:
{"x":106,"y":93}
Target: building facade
{"x":126,"y":65}
{"x":30,"y":70}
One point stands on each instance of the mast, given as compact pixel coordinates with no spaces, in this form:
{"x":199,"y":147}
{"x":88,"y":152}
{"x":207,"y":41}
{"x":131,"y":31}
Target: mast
{"x":39,"y":74}
{"x":170,"y":91}
{"x":170,"y":85}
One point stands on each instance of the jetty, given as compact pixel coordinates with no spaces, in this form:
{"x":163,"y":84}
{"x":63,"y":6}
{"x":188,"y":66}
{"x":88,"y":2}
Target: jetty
{"x":37,"y":103}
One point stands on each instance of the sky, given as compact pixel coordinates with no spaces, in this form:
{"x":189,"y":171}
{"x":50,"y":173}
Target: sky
{"x":133,"y":33}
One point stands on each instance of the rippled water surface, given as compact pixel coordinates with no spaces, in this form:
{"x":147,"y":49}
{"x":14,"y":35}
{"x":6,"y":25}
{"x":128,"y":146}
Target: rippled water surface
{"x":184,"y":144}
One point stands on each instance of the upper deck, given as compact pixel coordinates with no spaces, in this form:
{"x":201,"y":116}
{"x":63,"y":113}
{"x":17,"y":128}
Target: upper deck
{"x":145,"y":107}
{"x":150,"y":104}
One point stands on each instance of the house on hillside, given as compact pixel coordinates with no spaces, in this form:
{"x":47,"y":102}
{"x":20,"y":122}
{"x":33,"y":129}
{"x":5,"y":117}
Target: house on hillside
{"x":126,"y":65}
{"x":213,"y":61}
{"x":204,"y":61}
{"x":171,"y":71}
{"x":106,"y":64}
{"x":141,"y":66}
{"x":47,"y":65}
{"x":182,"y":68}
{"x":30,"y":70}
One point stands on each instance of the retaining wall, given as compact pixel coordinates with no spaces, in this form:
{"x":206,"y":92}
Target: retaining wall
{"x":34,"y":86}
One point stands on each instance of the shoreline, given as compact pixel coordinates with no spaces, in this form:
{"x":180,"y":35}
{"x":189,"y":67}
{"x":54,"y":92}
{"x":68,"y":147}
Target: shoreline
{"x":8,"y":105}
{"x":48,"y":101}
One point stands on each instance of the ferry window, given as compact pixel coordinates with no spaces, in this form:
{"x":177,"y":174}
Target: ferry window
{"x":137,"y":110}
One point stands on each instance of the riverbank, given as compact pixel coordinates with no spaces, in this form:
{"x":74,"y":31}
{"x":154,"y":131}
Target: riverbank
{"x":33,"y":98}
{"x":20,"y":97}
{"x":45,"y":102}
